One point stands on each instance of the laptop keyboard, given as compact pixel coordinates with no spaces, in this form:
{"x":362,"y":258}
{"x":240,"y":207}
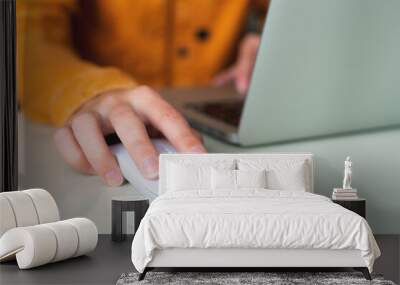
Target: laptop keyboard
{"x":228,"y":111}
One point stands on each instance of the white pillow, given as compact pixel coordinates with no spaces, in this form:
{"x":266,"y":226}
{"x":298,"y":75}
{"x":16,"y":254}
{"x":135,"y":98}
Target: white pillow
{"x":251,"y":178}
{"x":288,"y":179}
{"x":184,"y":175}
{"x":223,"y":179}
{"x":281,"y":174}
{"x":181,"y":177}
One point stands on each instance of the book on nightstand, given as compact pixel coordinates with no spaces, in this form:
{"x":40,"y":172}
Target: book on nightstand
{"x":344,"y":194}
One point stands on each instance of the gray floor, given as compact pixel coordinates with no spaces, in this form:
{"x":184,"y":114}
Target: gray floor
{"x":389,"y":262}
{"x":103,"y":266}
{"x":110,"y":260}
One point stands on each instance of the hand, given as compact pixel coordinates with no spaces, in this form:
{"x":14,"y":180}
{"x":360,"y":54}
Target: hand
{"x":126,"y":112}
{"x":240,"y":72}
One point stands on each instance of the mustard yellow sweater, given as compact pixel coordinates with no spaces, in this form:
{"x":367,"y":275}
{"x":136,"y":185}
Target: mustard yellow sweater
{"x":70,"y":51}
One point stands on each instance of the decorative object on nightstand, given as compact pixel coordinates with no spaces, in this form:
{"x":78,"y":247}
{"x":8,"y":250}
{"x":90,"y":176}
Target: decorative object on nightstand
{"x":347,"y":196}
{"x":126,"y":212}
{"x":357,"y":206}
{"x":346,"y":192}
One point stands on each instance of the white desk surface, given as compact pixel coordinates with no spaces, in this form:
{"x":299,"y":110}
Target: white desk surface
{"x":375,"y":157}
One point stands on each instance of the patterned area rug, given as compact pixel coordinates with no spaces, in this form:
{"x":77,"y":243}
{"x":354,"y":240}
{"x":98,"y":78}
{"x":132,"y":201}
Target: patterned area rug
{"x":232,"y":278}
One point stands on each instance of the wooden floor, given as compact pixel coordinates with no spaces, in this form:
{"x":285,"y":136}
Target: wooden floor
{"x":110,"y":260}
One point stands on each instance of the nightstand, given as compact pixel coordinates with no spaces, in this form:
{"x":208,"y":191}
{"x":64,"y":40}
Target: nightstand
{"x":122,"y":205}
{"x":358,"y":206}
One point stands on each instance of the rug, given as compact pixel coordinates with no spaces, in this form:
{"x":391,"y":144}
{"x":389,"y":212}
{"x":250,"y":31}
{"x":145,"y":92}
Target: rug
{"x":268,"y":278}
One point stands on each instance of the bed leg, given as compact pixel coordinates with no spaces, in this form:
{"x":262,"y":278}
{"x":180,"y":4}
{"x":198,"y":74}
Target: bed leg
{"x":142,"y":275}
{"x":364,"y":271}
{"x":366,"y":274}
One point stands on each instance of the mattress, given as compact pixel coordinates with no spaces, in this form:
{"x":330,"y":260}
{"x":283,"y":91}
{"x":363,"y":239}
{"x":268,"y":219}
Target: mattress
{"x":251,"y":219}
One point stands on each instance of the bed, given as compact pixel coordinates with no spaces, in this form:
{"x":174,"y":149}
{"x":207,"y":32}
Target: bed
{"x":245,"y":211}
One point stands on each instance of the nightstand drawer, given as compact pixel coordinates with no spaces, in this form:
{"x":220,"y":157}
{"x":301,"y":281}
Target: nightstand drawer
{"x":357,"y":206}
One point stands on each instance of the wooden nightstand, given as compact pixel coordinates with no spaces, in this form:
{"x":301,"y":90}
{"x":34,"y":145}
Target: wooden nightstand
{"x":358,"y":206}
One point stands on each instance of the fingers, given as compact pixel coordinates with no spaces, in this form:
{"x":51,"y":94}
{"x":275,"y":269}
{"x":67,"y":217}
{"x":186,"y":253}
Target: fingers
{"x":89,"y":136}
{"x":239,"y":74}
{"x":164,"y":117}
{"x":132,"y":133}
{"x":224,"y":77}
{"x":242,"y":79}
{"x":243,"y":72}
{"x":83,"y":146}
{"x":70,"y":150}
{"x":245,"y":63}
{"x":198,"y":135}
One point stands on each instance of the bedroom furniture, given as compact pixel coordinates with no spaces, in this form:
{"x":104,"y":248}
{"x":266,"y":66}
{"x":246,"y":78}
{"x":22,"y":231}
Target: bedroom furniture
{"x":120,"y":206}
{"x":283,"y":172}
{"x":31,"y":231}
{"x":358,"y":206}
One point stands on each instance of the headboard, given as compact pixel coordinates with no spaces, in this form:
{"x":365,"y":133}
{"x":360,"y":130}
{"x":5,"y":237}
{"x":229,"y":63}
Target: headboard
{"x":164,"y":158}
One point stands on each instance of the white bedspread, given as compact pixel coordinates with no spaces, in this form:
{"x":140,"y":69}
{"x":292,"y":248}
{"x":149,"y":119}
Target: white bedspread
{"x":250,"y":219}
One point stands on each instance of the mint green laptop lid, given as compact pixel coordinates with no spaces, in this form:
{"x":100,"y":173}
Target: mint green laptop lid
{"x":324,"y":67}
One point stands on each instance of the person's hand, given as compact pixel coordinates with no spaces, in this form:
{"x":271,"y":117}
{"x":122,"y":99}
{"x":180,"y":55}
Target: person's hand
{"x":127,"y":113}
{"x":240,"y":72}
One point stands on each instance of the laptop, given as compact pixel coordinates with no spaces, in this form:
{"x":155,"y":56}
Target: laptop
{"x":323,"y":68}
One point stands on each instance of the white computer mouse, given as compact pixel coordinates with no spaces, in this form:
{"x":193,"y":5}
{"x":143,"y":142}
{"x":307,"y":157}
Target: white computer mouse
{"x":163,"y":146}
{"x":148,"y":188}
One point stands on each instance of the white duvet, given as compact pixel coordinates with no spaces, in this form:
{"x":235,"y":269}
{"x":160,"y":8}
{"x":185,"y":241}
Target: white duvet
{"x":250,"y":219}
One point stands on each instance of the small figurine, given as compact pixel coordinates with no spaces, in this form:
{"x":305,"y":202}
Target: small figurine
{"x":347,"y":173}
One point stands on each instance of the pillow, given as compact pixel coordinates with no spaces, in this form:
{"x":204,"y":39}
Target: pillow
{"x":288,"y":179}
{"x":236,"y":179}
{"x":188,"y":177}
{"x":251,"y":178}
{"x":223,"y":179}
{"x":281,"y":174}
{"x":186,"y":174}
